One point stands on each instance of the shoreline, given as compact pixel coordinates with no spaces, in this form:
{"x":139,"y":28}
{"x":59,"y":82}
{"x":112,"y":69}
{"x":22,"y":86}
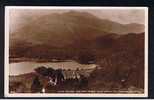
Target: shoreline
{"x":16,"y":60}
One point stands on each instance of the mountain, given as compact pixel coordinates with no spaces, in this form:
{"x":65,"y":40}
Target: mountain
{"x":65,"y":34}
{"x":68,"y":28}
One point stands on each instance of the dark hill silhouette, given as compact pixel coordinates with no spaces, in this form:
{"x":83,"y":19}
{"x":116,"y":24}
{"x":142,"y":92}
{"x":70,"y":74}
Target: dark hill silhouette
{"x":123,"y":59}
{"x":69,"y":29}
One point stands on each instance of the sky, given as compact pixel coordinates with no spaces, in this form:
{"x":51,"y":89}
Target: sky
{"x":19,"y":17}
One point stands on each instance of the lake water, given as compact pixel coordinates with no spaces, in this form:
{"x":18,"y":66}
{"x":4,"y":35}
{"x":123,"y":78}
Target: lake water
{"x":26,"y":67}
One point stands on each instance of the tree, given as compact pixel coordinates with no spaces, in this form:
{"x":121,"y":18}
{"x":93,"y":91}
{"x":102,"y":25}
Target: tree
{"x":36,"y":85}
{"x":42,"y":70}
{"x":51,"y":72}
{"x":60,"y":76}
{"x":83,"y":82}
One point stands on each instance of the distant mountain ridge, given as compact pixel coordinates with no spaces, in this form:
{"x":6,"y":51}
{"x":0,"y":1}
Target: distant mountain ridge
{"x":68,"y":28}
{"x":68,"y":35}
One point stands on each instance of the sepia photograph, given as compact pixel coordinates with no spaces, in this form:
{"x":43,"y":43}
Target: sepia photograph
{"x":76,"y":51}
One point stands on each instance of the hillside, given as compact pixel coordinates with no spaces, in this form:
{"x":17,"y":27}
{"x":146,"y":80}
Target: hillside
{"x":66,"y":35}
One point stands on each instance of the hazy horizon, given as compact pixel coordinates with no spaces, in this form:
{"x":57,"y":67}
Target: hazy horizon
{"x":20,"y":17}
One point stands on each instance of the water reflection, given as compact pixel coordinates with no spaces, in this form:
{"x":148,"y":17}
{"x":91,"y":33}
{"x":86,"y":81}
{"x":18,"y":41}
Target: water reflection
{"x":26,"y":67}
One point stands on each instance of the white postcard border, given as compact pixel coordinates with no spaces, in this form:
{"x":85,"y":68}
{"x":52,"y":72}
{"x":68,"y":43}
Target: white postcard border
{"x":6,"y":57}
